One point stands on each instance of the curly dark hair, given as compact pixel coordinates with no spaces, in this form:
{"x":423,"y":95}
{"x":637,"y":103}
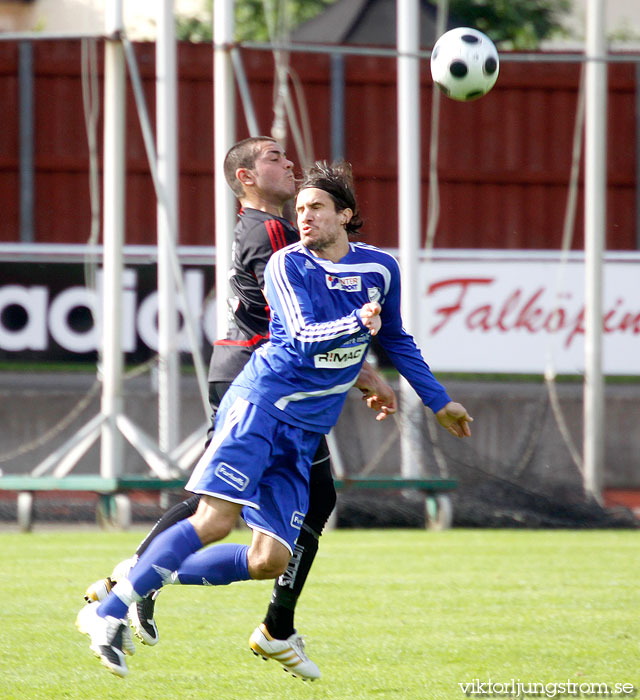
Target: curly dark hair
{"x":337,"y":181}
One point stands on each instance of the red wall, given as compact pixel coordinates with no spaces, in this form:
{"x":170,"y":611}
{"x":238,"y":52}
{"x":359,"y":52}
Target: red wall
{"x":504,"y":160}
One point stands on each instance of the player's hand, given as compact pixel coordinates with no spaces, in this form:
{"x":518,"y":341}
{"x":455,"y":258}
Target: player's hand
{"x":370,"y":316}
{"x":378,"y":395}
{"x":385,"y":405}
{"x":455,"y":419}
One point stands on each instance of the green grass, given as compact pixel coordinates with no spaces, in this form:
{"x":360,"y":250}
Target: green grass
{"x":401,"y":614}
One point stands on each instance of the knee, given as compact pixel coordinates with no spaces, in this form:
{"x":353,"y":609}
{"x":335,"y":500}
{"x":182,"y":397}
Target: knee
{"x":267,"y":564}
{"x":212,"y":524}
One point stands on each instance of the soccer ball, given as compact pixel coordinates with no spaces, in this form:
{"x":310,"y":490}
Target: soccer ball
{"x":464,"y":64}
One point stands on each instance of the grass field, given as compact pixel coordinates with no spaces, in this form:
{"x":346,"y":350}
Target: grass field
{"x":401,"y":614}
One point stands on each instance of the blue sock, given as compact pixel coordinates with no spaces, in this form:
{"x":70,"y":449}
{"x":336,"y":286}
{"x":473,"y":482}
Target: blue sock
{"x":215,"y":566}
{"x":163,"y":556}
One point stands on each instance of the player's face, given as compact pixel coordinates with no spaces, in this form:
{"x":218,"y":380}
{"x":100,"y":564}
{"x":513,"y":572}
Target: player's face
{"x":273,"y":173}
{"x":321,"y":227}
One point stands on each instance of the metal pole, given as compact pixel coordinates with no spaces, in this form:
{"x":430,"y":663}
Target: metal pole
{"x":167,"y":213}
{"x":595,"y":222}
{"x":27,"y":135}
{"x":224,"y":137}
{"x":433,"y":205}
{"x":337,"y":106}
{"x":113,"y":223}
{"x":409,"y":212}
{"x":245,"y":93}
{"x":637,"y":155}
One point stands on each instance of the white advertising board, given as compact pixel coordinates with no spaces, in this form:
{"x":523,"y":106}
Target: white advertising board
{"x":501,"y":311}
{"x":479,"y":310}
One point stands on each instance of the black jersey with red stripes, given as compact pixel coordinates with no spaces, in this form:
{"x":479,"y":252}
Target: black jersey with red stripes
{"x":257,"y":236}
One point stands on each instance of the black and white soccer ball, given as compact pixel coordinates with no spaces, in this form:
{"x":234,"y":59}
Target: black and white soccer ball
{"x":464,"y":64}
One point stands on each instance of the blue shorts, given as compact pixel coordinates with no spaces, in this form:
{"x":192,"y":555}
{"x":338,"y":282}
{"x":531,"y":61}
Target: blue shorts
{"x":260,"y":462}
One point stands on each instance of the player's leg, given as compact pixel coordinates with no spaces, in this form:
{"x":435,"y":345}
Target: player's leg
{"x":141,"y":614}
{"x":288,"y":647}
{"x":188,"y":507}
{"x":245,"y":437}
{"x":240,"y":436}
{"x":279,"y":619}
{"x":267,"y":557}
{"x":288,"y":651}
{"x":105,"y":622}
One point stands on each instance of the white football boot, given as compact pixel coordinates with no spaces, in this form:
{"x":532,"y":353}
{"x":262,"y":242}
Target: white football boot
{"x":96,"y":593}
{"x":100,"y":589}
{"x":289,"y":652}
{"x":107,"y":637}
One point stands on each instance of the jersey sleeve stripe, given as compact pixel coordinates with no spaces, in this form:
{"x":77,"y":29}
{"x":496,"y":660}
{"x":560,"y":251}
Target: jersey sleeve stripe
{"x":276,"y":234}
{"x":245,"y":343}
{"x":270,"y":231}
{"x":280,"y":233}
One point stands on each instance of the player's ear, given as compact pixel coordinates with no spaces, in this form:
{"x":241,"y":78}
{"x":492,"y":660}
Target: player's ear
{"x":245,"y":176}
{"x":346,"y":216}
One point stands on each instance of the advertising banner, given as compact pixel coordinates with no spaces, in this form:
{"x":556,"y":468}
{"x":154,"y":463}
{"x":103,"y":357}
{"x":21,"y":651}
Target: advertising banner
{"x":480,"y":311}
{"x":51,"y":310}
{"x":522,"y":312}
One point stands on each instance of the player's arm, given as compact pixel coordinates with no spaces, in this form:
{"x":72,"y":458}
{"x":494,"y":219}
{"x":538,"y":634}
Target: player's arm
{"x":408,"y":360}
{"x":378,"y":395}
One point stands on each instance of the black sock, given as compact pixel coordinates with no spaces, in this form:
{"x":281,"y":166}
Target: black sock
{"x":287,"y":588}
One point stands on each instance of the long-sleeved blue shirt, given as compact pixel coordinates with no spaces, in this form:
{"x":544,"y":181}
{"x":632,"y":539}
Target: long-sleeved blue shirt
{"x":318,"y":341}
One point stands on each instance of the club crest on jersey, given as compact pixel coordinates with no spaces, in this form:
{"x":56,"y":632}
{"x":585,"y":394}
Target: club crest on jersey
{"x":340,"y":357}
{"x":232,"y":476}
{"x":345,"y":284}
{"x":374,"y":293}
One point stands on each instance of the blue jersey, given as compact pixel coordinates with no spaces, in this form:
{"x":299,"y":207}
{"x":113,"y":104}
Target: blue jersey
{"x":318,"y":341}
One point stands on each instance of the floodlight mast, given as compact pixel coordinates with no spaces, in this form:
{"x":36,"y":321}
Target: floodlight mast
{"x":409,"y":213}
{"x":111,"y":445}
{"x":594,"y":228}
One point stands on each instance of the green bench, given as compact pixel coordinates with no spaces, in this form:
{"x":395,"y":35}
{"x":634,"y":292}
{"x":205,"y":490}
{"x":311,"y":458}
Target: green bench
{"x":438,"y":508}
{"x":112,"y":509}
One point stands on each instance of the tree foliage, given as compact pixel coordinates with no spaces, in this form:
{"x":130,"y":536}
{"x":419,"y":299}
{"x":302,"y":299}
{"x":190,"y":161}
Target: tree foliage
{"x":255,"y":20}
{"x":516,"y":24}
{"x":513,"y":24}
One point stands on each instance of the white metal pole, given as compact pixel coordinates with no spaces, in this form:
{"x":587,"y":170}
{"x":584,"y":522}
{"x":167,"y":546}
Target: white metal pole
{"x":167,"y":224}
{"x":113,"y":222}
{"x":409,"y":212}
{"x":224,"y":137}
{"x":595,"y":222}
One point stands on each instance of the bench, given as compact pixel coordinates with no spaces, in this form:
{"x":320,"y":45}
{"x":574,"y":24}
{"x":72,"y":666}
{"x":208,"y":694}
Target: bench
{"x":438,"y":508}
{"x":114,"y":509}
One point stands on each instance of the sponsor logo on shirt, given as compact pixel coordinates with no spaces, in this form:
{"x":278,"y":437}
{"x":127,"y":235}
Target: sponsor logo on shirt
{"x":340,"y":357}
{"x":297,"y":519}
{"x":344,"y":284}
{"x":232,"y":476}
